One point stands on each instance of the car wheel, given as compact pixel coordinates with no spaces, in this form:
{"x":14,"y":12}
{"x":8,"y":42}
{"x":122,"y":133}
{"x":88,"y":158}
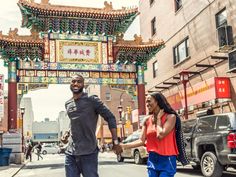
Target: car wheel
{"x":137,"y":158}
{"x":44,"y":152}
{"x":120,"y":158}
{"x":210,"y":166}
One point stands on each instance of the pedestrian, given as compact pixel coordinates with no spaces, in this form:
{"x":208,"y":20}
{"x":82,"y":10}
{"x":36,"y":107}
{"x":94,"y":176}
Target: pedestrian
{"x":158,"y":133}
{"x":29,"y":148}
{"x":82,"y":151}
{"x":38,"y":148}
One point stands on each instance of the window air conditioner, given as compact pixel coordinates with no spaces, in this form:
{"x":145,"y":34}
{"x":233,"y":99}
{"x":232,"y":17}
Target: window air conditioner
{"x":225,"y":36}
{"x":232,"y":61}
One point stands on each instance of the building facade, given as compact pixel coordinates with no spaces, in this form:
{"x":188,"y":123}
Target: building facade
{"x":64,"y":122}
{"x":198,"y":36}
{"x":113,"y":97}
{"x":46,"y":131}
{"x":28,"y":118}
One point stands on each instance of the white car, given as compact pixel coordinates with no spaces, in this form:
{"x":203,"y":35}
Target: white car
{"x":49,"y":149}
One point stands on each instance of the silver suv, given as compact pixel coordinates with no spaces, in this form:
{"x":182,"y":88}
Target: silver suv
{"x":139,"y":154}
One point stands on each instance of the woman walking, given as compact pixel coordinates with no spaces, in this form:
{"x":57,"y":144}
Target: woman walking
{"x":159,"y":136}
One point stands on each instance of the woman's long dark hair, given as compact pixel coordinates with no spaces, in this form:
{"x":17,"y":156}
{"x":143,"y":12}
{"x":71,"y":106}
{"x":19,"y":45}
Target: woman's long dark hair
{"x":163,"y":103}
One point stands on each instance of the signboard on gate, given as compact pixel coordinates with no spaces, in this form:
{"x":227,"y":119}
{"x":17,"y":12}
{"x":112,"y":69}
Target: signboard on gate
{"x":74,"y":51}
{"x":1,"y":97}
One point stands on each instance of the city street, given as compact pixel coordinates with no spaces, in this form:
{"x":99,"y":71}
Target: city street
{"x":53,"y":165}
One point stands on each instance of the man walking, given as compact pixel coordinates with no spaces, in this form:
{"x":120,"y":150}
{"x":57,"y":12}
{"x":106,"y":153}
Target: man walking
{"x":82,"y":150}
{"x":29,"y":148}
{"x":38,"y":148}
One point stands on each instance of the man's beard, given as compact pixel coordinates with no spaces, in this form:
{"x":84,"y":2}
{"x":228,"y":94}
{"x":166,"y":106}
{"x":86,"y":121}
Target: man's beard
{"x":77,"y":91}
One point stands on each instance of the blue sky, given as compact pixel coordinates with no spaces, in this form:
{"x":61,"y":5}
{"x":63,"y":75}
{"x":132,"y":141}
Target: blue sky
{"x":49,"y":102}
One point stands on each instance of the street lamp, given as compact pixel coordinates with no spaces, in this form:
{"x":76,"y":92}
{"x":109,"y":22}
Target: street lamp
{"x":184,"y":77}
{"x":120,"y":110}
{"x":22,"y":111}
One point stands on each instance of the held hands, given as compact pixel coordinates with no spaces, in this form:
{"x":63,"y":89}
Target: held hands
{"x":117,"y":149}
{"x":123,"y":146}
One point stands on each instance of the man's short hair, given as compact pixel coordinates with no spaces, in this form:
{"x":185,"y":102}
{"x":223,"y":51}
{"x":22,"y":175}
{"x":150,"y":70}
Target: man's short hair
{"x":77,"y":75}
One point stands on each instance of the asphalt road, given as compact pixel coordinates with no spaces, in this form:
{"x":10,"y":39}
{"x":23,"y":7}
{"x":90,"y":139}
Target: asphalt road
{"x":53,"y":166}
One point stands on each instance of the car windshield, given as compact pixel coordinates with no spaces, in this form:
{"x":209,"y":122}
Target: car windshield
{"x":133,"y":136}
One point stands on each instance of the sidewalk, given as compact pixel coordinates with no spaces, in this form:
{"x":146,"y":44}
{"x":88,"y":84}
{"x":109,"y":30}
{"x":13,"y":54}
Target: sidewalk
{"x":11,"y":170}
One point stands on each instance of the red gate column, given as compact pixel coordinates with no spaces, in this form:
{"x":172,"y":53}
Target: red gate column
{"x":12,"y":96}
{"x":141,"y":91}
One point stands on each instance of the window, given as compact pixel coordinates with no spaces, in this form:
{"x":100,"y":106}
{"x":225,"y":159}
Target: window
{"x":153,"y":26}
{"x":223,"y":122}
{"x":206,"y":125}
{"x":221,"y":18}
{"x":108,"y":96}
{"x":135,"y":137}
{"x":178,"y":4}
{"x":155,"y":69}
{"x":151,"y":2}
{"x":181,"y":51}
{"x":187,"y":126}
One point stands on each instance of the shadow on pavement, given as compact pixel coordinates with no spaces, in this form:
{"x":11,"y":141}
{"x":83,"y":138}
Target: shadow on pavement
{"x":51,"y":166}
{"x":189,"y":171}
{"x":117,"y":163}
{"x":192,"y":172}
{"x":109,"y":163}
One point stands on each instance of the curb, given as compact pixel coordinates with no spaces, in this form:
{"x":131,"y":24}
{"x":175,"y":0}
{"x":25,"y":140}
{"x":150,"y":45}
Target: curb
{"x":22,"y":166}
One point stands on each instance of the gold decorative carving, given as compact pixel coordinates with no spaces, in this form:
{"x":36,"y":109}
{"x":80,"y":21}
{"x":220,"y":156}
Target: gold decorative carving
{"x":138,"y":39}
{"x":108,"y":7}
{"x":44,"y":2}
{"x":34,"y":34}
{"x":120,"y":38}
{"x":13,"y":36}
{"x":13,"y":33}
{"x":150,"y":41}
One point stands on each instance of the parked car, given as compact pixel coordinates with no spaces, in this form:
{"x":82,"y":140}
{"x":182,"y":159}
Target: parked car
{"x":211,"y":143}
{"x":49,"y":149}
{"x":139,"y":154}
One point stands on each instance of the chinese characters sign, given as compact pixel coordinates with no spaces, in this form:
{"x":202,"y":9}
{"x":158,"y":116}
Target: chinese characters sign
{"x":1,"y":97}
{"x":210,"y":89}
{"x":82,"y":52}
{"x":222,"y":87}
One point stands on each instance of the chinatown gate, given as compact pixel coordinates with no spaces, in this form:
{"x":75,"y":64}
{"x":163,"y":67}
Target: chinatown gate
{"x":66,"y":40}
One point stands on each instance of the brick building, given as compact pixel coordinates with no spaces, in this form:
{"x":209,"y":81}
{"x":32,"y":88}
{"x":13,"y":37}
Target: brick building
{"x":112,"y":98}
{"x":198,"y":36}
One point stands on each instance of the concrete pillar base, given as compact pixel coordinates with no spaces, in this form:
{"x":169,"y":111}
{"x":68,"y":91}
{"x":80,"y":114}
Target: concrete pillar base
{"x":17,"y":158}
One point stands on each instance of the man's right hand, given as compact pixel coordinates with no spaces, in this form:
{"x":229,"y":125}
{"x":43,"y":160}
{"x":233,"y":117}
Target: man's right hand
{"x":64,"y":138}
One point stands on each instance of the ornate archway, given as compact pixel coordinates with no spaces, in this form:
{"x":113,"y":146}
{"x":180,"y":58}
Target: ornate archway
{"x":66,"y":40}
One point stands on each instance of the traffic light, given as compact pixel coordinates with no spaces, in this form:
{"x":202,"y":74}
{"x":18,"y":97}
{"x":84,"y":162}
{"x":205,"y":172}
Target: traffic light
{"x":128,"y":109}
